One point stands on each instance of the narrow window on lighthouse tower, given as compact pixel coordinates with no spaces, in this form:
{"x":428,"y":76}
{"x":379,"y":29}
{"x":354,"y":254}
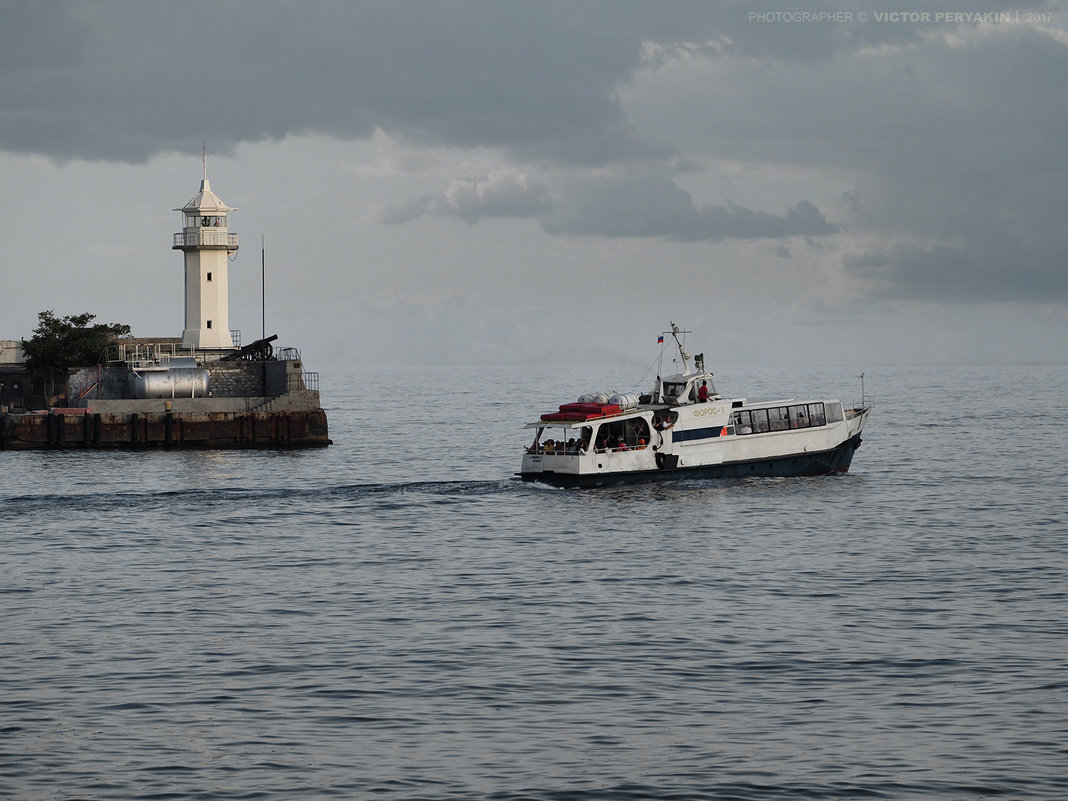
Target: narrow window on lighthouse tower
{"x":209,"y":276}
{"x":209,"y":323}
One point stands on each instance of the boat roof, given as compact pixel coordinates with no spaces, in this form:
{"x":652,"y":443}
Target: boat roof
{"x":645,"y":407}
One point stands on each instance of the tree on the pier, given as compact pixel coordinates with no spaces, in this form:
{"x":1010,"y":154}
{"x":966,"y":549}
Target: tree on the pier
{"x":72,"y":341}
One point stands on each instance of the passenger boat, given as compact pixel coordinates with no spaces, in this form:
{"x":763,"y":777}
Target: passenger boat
{"x":685,"y":429}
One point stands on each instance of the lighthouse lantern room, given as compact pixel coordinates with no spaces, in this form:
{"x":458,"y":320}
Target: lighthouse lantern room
{"x":207,"y":244}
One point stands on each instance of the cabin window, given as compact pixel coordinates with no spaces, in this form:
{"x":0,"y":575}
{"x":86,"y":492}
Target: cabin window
{"x":565,"y":442}
{"x":672,"y":389}
{"x":622,"y":435}
{"x":760,"y":421}
{"x":834,"y":413}
{"x":779,"y":418}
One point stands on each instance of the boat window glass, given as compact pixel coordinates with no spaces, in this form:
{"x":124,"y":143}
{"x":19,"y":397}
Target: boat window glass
{"x":742,"y":422}
{"x":760,"y":421}
{"x":673,"y":388}
{"x":815,"y":411}
{"x":834,"y":412}
{"x":779,"y":418}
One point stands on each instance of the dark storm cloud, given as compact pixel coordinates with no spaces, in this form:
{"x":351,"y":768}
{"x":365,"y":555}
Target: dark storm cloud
{"x":657,"y":207}
{"x":127,"y":80}
{"x":636,"y":206}
{"x":954,"y":146}
{"x":1001,"y":272}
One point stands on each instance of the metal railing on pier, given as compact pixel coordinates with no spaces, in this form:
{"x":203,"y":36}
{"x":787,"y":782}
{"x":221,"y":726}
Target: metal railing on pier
{"x":303,"y":381}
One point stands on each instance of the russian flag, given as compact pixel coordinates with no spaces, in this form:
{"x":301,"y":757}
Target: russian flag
{"x":660,"y":340}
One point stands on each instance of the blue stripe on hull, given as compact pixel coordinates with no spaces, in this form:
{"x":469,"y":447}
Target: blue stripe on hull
{"x":836,"y":460}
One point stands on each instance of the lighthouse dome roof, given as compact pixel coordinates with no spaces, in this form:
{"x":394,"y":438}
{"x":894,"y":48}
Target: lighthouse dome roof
{"x":205,"y":200}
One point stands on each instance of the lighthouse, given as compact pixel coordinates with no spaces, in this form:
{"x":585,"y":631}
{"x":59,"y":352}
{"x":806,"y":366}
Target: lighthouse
{"x":207,"y":244}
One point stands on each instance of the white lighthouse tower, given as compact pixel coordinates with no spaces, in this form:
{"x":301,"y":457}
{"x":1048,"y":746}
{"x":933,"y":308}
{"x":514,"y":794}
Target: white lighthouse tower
{"x":207,"y":244}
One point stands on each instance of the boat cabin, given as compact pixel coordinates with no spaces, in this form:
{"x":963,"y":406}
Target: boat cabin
{"x":679,"y":389}
{"x":609,"y":435}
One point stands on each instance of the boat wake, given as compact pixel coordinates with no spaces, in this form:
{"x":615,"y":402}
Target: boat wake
{"x":53,"y":504}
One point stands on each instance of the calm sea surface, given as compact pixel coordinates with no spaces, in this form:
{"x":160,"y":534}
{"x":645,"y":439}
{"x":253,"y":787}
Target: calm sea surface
{"x":395,"y":617}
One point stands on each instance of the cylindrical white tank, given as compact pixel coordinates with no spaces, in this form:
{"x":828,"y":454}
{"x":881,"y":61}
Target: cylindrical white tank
{"x":176,"y":382}
{"x":625,"y":400}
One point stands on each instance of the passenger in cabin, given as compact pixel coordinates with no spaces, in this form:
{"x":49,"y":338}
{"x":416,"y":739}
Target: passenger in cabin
{"x":602,"y":443}
{"x":702,"y":393}
{"x":621,"y":444}
{"x":550,"y":446}
{"x":584,"y":445}
{"x":572,"y":447}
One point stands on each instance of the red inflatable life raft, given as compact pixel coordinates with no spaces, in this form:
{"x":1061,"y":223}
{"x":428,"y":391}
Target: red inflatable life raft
{"x":582,"y":411}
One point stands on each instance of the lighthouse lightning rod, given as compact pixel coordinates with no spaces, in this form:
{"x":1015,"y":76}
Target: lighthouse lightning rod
{"x":263,"y":291}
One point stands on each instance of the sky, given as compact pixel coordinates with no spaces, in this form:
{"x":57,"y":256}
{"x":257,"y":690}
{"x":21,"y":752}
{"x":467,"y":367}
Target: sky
{"x":458,"y":182}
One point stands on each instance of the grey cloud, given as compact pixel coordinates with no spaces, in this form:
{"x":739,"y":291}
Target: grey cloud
{"x":407,"y":211}
{"x":657,"y":207}
{"x":126,"y":80}
{"x":978,"y":273}
{"x":956,"y":142}
{"x":503,"y":193}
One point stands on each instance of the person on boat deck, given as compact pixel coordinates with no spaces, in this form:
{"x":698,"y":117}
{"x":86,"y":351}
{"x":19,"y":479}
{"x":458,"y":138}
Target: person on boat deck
{"x":621,"y":445}
{"x":702,"y":393}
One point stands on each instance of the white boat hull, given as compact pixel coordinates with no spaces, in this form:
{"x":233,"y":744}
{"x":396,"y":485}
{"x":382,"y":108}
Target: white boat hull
{"x":814,"y":451}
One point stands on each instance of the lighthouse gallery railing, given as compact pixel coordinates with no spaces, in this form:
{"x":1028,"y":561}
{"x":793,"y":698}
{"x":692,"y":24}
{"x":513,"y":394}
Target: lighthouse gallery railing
{"x":206,"y":238}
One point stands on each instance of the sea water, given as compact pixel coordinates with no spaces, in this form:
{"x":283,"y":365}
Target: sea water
{"x":397,"y":617}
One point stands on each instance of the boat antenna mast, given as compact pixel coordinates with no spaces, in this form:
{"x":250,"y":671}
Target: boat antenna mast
{"x":675,"y":331}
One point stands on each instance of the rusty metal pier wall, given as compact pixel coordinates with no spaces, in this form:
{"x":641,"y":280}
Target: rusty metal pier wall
{"x":83,"y":428}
